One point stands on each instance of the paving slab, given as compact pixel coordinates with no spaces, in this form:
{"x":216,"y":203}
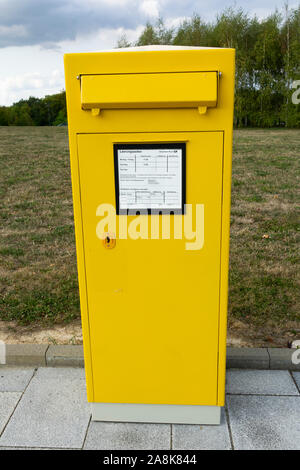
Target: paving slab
{"x":127,"y":436}
{"x":260,"y":382}
{"x":53,"y":411}
{"x":14,"y":379}
{"x":296,"y":376}
{"x":281,"y":358}
{"x":264,"y":422}
{"x":33,"y":448}
{"x":192,"y":436}
{"x":65,"y":355}
{"x":247,"y":358}
{"x":26,"y":354}
{"x":8,"y":402}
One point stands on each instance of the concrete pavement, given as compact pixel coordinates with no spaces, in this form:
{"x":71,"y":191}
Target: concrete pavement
{"x":46,"y":408}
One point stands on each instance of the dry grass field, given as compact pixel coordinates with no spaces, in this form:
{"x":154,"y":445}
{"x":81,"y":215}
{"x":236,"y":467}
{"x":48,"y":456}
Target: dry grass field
{"x":38,"y":278}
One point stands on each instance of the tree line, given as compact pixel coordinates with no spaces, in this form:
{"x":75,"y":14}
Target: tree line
{"x":48,"y":111}
{"x":267,"y":59}
{"x":267,"y":67}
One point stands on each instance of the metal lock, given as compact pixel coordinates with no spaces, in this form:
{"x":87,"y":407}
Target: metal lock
{"x":109,"y":240}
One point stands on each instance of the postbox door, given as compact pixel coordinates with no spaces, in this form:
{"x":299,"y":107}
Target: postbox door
{"x":153,"y":304}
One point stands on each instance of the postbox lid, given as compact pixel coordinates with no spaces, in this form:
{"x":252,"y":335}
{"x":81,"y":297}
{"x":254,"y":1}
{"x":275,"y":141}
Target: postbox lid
{"x":155,"y":47}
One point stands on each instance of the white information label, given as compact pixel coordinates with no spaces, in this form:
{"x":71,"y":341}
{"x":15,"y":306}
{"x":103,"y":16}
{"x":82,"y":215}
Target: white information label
{"x":150,"y":178}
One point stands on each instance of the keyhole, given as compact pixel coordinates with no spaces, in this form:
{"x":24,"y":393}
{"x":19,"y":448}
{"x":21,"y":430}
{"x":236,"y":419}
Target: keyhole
{"x":109,"y":240}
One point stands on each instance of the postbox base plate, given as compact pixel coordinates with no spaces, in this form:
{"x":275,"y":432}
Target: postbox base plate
{"x":141,"y":413}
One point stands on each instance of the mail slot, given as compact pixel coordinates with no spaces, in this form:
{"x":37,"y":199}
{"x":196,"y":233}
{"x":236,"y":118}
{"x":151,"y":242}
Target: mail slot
{"x":149,"y":90}
{"x":150,"y":133}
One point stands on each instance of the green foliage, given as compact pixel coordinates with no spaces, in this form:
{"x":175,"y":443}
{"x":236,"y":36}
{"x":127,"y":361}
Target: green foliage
{"x":157,"y":34}
{"x":192,"y":33}
{"x":61,"y":118}
{"x":267,"y":59}
{"x":123,"y":42}
{"x":48,"y":111}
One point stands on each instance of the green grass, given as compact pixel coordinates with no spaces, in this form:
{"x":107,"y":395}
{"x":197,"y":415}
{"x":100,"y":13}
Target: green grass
{"x":38,"y":277}
{"x":265,"y":216}
{"x":51,"y":302}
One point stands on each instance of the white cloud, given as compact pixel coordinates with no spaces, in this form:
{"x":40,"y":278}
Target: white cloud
{"x":14,"y":88}
{"x":175,"y":22}
{"x":150,"y":8}
{"x":53,"y":21}
{"x":38,"y":71}
{"x":100,"y":40}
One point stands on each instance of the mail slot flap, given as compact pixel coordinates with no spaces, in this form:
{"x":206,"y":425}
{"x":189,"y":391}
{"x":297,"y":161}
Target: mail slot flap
{"x":149,"y":90}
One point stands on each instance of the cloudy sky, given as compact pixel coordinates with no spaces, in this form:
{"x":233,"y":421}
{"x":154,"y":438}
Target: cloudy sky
{"x":34,"y":34}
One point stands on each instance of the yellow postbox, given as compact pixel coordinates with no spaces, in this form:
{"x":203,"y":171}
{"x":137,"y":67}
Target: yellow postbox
{"x":150,"y":133}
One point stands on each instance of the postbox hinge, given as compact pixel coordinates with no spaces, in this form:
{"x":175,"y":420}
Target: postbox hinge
{"x":95,"y":111}
{"x":202,"y":109}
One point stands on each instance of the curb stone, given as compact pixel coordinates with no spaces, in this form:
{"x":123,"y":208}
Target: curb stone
{"x":247,"y":358}
{"x":282,"y":359}
{"x":65,"y":355}
{"x":72,"y":356}
{"x":26,"y":354}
